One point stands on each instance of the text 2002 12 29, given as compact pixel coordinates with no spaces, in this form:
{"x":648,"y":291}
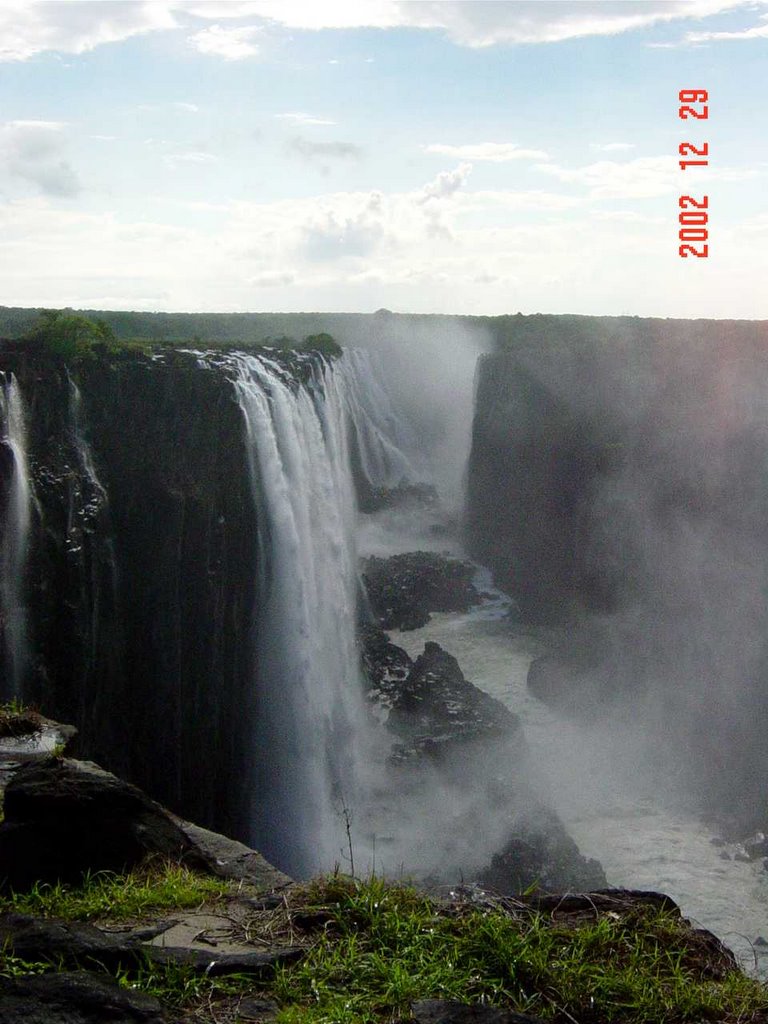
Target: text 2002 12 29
{"x":694,"y":213}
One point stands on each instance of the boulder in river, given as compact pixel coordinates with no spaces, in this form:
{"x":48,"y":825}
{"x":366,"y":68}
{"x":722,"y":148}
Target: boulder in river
{"x":405,"y":588}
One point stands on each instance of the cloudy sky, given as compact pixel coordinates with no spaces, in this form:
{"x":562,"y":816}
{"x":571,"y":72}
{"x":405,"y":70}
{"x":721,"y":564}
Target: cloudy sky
{"x":459,"y":157}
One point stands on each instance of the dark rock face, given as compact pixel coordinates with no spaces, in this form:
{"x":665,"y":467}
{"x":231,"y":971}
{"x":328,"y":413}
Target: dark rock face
{"x":404,"y":589}
{"x":76,"y":998}
{"x":436,"y":710}
{"x":541,"y":853}
{"x":619,"y":468}
{"x":142,"y":571}
{"x":533,"y":468}
{"x":385,"y":666}
{"x":72,"y":943}
{"x":64,"y":818}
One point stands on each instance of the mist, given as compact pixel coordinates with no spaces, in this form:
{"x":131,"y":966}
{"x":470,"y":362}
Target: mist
{"x":672,"y":550}
{"x":430,"y":366}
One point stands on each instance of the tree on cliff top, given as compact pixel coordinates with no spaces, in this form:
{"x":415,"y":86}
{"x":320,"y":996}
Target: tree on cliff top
{"x":324,"y":343}
{"x":68,"y":334}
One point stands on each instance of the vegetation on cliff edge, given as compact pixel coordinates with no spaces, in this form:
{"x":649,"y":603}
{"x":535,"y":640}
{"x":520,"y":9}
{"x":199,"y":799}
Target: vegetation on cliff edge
{"x":373,"y":947}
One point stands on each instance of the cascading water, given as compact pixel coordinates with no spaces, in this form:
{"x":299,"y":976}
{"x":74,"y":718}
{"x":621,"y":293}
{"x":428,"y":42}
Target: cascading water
{"x":15,"y":538}
{"x":384,"y":442}
{"x":310,"y":714}
{"x":91,"y":547}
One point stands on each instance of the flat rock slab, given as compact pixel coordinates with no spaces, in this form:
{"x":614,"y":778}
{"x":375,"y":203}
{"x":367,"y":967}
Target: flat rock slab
{"x":446,"y":1011}
{"x":76,"y":943}
{"x":212,"y":933}
{"x":212,"y":963}
{"x":76,"y":998}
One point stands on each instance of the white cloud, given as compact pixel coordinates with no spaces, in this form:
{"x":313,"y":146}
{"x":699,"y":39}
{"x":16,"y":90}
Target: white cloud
{"x":755,"y":32}
{"x":612,"y":147}
{"x":479,"y":23}
{"x":492,"y":152}
{"x":303,"y":119}
{"x":445,"y":184}
{"x":190,"y":157}
{"x":190,"y":108}
{"x":271,"y":279}
{"x":28,"y":28}
{"x":642,"y":178}
{"x":34,"y":152}
{"x":229,"y":43}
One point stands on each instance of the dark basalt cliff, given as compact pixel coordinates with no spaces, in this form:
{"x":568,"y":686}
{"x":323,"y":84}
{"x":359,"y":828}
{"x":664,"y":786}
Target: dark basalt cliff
{"x":142,"y":570}
{"x":534,"y":466}
{"x":617,"y":485}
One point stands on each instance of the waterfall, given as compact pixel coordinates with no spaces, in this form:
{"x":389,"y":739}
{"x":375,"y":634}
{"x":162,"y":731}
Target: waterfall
{"x":311,"y":731}
{"x":91,"y":546}
{"x":381,"y":436}
{"x":15,"y":538}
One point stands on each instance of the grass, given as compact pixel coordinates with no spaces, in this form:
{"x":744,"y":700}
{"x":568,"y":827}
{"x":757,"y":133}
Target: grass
{"x":373,"y":947}
{"x":104,"y":895}
{"x":383,"y":947}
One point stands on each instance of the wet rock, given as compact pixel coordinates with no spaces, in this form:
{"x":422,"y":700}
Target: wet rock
{"x":78,"y":944}
{"x":76,"y":998}
{"x":402,"y":496}
{"x":436,"y":708}
{"x":259,"y":964}
{"x":540,"y":852}
{"x":447,"y":1011}
{"x":73,"y":943}
{"x":251,"y":1008}
{"x":66,"y":817}
{"x":385,"y":666}
{"x":405,"y":588}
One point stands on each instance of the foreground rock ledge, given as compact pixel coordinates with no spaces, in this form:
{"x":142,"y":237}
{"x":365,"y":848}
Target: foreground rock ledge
{"x":65,"y":817}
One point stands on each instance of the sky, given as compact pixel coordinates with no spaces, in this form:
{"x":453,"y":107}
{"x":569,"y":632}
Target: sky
{"x":433,"y":157}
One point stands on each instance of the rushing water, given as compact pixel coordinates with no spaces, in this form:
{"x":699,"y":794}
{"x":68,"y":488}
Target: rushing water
{"x":597,"y":780}
{"x":15,"y":537}
{"x":311,"y":715}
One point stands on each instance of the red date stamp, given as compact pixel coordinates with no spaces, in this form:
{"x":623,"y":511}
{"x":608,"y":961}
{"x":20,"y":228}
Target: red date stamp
{"x":693,"y":217}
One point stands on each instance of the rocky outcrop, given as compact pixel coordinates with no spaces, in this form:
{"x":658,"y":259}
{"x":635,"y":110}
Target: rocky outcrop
{"x":437,"y":712}
{"x":64,"y":818}
{"x":404,"y":589}
{"x":540,"y":853}
{"x":75,"y":998}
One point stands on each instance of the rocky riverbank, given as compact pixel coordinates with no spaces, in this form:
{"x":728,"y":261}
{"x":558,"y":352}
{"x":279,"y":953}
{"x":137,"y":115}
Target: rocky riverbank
{"x":451,"y":737}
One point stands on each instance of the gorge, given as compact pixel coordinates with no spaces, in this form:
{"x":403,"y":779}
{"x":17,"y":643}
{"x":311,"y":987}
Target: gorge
{"x":181,"y":535}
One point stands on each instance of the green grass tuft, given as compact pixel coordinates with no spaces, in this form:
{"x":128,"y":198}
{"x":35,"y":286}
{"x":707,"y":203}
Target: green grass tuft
{"x":119,"y":897}
{"x":386,"y":946}
{"x":373,"y":947}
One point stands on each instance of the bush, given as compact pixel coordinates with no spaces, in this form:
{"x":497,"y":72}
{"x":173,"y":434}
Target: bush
{"x":70,"y":335}
{"x":323,"y":343}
